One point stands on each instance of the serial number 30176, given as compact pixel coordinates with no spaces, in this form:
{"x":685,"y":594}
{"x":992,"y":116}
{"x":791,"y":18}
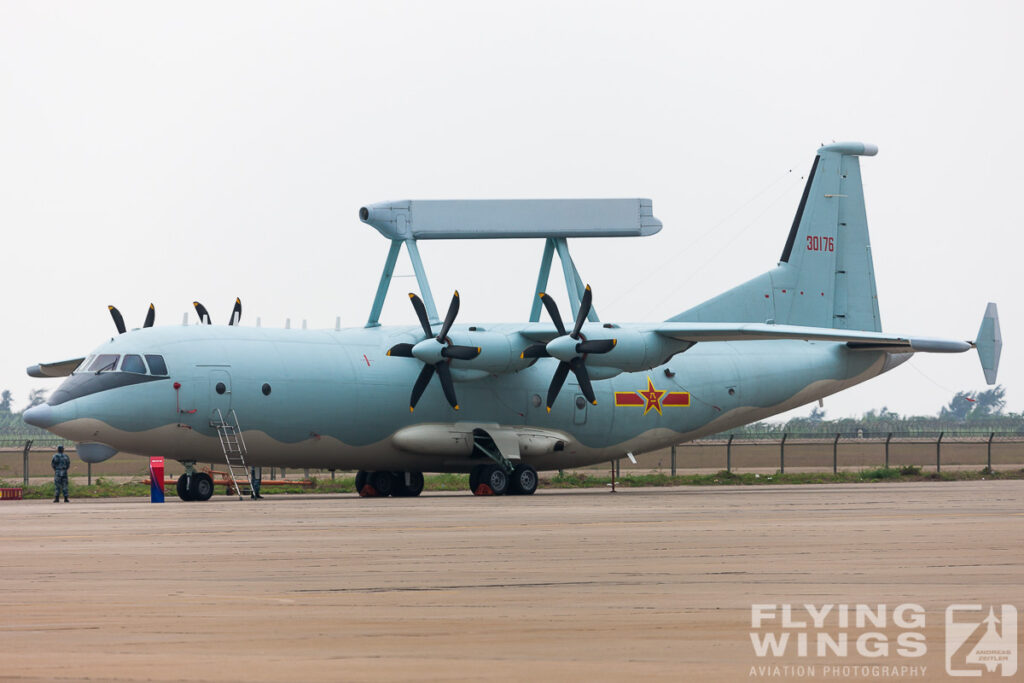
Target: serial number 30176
{"x":820,"y":243}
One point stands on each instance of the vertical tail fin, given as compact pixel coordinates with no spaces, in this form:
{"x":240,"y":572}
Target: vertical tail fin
{"x":825,"y":277}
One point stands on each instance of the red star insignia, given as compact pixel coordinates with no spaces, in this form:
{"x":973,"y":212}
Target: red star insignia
{"x":653,"y":397}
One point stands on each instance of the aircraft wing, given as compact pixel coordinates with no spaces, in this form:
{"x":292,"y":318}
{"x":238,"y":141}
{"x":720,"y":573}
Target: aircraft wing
{"x":61,"y":368}
{"x":855,"y":339}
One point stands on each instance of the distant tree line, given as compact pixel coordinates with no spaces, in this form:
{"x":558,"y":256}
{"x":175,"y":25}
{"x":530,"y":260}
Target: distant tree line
{"x":967,"y":411}
{"x":11,"y":422}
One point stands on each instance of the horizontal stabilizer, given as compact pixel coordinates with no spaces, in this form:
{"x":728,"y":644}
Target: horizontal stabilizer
{"x":59,"y":369}
{"x":707,"y":332}
{"x":990,"y":343}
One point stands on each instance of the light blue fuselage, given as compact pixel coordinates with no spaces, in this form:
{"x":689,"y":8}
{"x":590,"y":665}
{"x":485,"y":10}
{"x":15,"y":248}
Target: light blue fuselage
{"x":336,"y":400}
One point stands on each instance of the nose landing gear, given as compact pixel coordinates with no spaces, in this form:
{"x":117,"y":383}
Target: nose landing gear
{"x":194,"y":486}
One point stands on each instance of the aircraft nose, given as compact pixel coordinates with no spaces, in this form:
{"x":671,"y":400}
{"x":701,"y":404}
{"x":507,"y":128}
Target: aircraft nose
{"x":41,"y":415}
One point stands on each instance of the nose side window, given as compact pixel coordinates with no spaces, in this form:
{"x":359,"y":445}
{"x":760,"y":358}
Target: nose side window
{"x":156,"y":364}
{"x":105,"y":362}
{"x":133,"y":363}
{"x":84,"y":365}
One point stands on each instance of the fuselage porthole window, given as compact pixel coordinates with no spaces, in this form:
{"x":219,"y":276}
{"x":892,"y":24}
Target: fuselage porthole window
{"x":104,"y":362}
{"x":156,"y":364}
{"x":133,"y":363}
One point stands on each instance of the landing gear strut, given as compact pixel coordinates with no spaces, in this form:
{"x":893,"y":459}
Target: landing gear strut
{"x":383,"y":484}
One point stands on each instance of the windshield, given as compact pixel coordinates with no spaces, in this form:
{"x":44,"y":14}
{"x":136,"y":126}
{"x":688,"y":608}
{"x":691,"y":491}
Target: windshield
{"x":133,"y":363}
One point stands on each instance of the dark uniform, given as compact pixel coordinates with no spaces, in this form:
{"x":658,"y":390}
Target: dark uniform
{"x":256,"y":475}
{"x":60,"y":463}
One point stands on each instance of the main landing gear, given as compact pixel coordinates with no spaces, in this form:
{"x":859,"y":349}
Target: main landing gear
{"x":493,"y":480}
{"x":383,"y":484}
{"x":194,"y":486}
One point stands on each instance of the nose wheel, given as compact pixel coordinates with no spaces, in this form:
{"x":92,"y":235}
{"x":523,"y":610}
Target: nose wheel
{"x":197,"y":486}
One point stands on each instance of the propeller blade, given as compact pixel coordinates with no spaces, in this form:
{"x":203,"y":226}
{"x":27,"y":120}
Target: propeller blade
{"x":421,"y":313}
{"x":535,"y":351}
{"x":150,"y":316}
{"x":204,"y":315}
{"x":421,"y":384}
{"x":445,"y":375}
{"x":552,"y":309}
{"x":580,"y":370}
{"x":460,"y":352}
{"x":595,"y":346}
{"x":561,"y":372}
{"x":236,"y":313}
{"x":581,"y":316}
{"x":453,"y":310}
{"x":401,"y":350}
{"x":118,"y":320}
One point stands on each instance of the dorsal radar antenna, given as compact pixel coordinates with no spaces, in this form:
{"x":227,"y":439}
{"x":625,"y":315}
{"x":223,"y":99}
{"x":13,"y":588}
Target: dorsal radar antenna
{"x":553,"y":220}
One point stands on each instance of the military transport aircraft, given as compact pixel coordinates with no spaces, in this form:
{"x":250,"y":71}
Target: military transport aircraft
{"x":505,"y":400}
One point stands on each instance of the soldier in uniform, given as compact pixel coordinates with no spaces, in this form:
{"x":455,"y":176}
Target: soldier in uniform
{"x":60,"y":463}
{"x":256,"y":475}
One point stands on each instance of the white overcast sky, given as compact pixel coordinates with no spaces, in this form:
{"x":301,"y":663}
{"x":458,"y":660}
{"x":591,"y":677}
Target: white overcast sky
{"x":174,"y":151}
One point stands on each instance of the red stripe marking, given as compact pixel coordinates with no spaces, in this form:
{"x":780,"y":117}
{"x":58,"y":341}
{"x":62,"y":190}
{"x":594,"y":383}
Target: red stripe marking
{"x":676,"y":398}
{"x":628,"y":398}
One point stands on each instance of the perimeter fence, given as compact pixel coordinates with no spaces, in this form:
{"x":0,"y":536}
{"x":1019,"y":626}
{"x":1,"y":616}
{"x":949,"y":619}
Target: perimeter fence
{"x":858,"y":449}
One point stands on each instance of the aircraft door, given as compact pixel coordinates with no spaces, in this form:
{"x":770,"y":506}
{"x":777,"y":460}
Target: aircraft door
{"x":220,"y":392}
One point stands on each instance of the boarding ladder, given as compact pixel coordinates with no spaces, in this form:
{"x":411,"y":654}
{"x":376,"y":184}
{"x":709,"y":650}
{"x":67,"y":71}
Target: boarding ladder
{"x":233,"y":445}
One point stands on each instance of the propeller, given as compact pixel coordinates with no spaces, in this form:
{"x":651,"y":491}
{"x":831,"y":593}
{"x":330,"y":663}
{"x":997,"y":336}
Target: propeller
{"x":570,"y":348}
{"x":204,"y":315}
{"x":119,"y":319}
{"x":435,"y":352}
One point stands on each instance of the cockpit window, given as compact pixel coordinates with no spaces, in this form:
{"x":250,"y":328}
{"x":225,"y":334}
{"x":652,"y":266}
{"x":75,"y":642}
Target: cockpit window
{"x":104,"y":362}
{"x":83,"y":366}
{"x":156,"y":364}
{"x":133,"y":363}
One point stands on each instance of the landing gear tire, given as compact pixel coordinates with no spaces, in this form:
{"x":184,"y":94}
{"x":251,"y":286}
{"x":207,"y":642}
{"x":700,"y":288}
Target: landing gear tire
{"x":382,"y":482}
{"x":493,"y":481}
{"x":202,"y":487}
{"x":523,"y":481}
{"x":182,"y":487}
{"x":413,"y":488}
{"x":361,"y":477}
{"x":474,"y":478}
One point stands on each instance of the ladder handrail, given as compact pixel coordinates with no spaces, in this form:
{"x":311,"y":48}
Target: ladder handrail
{"x":232,"y":443}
